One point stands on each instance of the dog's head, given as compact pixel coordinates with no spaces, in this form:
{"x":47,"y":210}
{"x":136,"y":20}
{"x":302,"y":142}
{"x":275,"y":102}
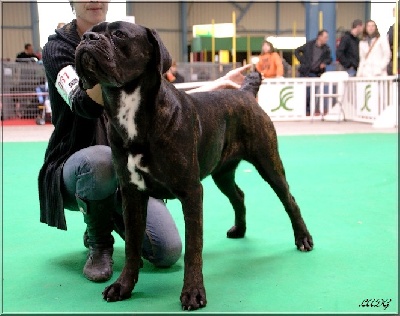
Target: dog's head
{"x":115,"y":54}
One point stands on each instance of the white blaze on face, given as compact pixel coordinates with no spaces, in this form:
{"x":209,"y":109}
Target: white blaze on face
{"x":133,"y":167}
{"x":129,"y":104}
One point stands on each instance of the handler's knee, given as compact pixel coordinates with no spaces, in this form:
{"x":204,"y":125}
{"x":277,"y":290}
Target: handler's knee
{"x":162,"y":245}
{"x":90,"y":173}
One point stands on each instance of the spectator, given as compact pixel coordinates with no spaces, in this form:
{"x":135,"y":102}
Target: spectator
{"x":172,"y":75}
{"x":390,"y":35}
{"x":27,"y":53}
{"x":270,"y":63}
{"x":42,"y":94}
{"x":348,"y":52}
{"x":314,"y":56}
{"x":374,"y":52}
{"x":60,"y":25}
{"x":39,"y":54}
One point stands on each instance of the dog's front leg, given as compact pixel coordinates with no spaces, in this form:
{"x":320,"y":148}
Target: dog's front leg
{"x":134,"y":205}
{"x":134,"y":208}
{"x":193,"y":294}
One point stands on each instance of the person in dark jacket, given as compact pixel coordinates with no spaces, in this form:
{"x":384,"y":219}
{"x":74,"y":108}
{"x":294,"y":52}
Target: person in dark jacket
{"x":314,"y":56}
{"x":348,"y":50}
{"x":27,"y":54}
{"x":77,"y":173}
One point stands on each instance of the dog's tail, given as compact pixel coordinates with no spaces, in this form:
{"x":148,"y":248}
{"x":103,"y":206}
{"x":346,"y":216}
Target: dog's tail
{"x":252,"y":83}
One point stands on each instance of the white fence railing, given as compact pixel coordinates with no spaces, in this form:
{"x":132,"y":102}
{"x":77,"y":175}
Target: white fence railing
{"x":363,"y":99}
{"x":368,"y":98}
{"x":284,"y":99}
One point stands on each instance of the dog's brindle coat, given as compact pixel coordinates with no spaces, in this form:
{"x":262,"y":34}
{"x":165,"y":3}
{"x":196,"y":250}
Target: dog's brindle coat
{"x":165,"y":141}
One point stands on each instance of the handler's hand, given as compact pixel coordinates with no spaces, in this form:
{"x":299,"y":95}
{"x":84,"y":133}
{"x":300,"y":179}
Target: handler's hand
{"x":236,"y":75}
{"x":95,"y":94}
{"x":232,"y":80}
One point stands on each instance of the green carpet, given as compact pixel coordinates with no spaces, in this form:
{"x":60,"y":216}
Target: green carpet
{"x":345,"y":185}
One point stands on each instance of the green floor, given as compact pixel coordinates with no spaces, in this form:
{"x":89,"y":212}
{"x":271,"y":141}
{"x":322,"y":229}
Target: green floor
{"x":347,"y":189}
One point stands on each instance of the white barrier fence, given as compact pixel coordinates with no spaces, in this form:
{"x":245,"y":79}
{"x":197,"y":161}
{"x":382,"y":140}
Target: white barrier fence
{"x":284,"y":99}
{"x":363,"y":99}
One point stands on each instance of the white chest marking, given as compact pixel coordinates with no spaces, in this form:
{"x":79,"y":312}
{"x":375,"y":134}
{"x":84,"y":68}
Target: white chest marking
{"x":129,"y":104}
{"x":133,"y":167}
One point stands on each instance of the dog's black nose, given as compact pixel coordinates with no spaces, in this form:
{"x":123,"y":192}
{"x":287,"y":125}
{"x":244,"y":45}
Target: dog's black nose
{"x":91,"y":36}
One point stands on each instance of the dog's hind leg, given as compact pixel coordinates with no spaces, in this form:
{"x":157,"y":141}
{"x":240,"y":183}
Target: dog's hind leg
{"x":225,"y":181}
{"x":270,"y":167}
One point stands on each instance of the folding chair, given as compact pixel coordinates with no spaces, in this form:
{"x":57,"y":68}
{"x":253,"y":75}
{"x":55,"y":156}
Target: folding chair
{"x":334,"y":78}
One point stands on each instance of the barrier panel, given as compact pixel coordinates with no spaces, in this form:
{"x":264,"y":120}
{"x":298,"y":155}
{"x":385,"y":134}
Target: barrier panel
{"x":284,"y":99}
{"x":369,"y":97}
{"x":203,"y":71}
{"x":19,"y":98}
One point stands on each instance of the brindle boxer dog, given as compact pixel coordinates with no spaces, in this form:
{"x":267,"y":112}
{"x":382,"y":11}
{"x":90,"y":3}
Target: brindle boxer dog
{"x":165,"y":141}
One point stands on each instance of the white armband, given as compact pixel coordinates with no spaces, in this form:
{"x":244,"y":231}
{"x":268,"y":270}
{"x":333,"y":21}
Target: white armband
{"x":67,"y":83}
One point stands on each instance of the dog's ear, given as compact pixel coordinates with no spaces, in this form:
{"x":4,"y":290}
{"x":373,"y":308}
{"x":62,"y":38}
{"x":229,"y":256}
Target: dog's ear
{"x":163,"y":58}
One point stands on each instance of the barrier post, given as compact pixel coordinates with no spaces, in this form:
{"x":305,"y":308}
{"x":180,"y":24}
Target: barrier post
{"x":321,"y":20}
{"x":212,"y":41}
{"x":396,"y":40}
{"x":234,"y":40}
{"x":248,"y":49}
{"x":293,"y":56}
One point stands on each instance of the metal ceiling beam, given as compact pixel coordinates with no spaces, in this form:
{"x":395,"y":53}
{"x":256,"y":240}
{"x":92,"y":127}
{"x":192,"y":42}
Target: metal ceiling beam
{"x":35,"y":25}
{"x":242,"y":11}
{"x":277,"y":17}
{"x":183,"y":10}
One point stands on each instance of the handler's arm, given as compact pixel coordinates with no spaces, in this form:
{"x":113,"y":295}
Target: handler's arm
{"x":59,"y":63}
{"x":232,"y":80}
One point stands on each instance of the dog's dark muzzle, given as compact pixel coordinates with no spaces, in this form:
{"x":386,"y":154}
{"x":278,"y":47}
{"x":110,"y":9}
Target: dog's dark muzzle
{"x":90,"y":36}
{"x":86,"y":67}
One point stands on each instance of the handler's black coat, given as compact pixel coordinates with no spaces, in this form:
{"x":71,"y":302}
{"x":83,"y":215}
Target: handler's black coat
{"x":81,"y":127}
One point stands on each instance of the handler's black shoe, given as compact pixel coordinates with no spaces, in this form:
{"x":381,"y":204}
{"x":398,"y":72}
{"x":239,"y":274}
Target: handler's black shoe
{"x":98,"y":267}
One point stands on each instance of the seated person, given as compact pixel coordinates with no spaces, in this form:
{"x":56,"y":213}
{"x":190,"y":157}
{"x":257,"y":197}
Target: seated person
{"x":44,"y":100}
{"x":27,"y":54}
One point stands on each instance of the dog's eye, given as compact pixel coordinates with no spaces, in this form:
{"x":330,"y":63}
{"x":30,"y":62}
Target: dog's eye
{"x":119,"y":34}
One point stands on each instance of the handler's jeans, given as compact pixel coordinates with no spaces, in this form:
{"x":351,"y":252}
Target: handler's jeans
{"x":89,"y":173}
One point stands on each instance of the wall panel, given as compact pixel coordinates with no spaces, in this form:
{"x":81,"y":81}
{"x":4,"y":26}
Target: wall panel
{"x":292,"y":13}
{"x":16,"y":28}
{"x":259,"y":20}
{"x":157,"y":15}
{"x":347,"y":12}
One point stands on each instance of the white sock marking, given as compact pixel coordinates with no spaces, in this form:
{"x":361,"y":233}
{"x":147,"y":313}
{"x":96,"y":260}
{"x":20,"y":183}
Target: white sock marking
{"x":133,"y":167}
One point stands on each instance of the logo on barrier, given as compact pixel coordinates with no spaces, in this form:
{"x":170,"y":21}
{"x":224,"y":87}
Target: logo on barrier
{"x":284,"y":96}
{"x":367,"y":97}
{"x":367,"y":94}
{"x":283,"y":100}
